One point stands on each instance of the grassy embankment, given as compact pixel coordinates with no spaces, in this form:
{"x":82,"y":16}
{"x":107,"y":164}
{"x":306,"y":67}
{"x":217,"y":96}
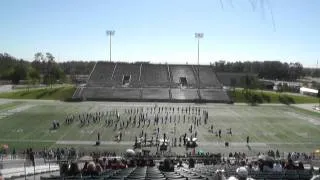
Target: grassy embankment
{"x":57,"y":93}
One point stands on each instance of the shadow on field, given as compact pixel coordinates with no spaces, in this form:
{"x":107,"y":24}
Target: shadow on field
{"x":25,"y":93}
{"x":53,"y":91}
{"x":249,"y":147}
{"x":39,"y":96}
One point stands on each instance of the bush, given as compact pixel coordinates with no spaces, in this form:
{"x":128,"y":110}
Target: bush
{"x":290,"y":100}
{"x":257,"y":99}
{"x":284,"y":99}
{"x":266,"y":97}
{"x":252,"y":98}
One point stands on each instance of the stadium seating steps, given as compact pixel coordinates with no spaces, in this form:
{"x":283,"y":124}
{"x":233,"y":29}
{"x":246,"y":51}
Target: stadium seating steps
{"x":200,"y":172}
{"x":152,"y":82}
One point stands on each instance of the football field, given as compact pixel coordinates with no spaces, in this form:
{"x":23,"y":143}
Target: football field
{"x":28,"y":123}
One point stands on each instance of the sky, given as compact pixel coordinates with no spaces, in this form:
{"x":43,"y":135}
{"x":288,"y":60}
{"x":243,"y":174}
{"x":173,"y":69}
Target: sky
{"x":162,"y":31}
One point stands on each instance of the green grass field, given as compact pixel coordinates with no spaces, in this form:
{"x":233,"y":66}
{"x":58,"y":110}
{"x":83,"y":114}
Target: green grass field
{"x":55,"y":93}
{"x":65,"y":92}
{"x":27,"y":123}
{"x":238,"y":96}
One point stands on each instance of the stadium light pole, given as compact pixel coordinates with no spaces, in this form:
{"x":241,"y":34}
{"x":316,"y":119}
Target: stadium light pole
{"x":110,"y":33}
{"x":198,"y":36}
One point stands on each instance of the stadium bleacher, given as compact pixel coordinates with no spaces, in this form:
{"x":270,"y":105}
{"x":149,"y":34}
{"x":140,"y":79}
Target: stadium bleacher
{"x":178,"y":71}
{"x":103,"y":93}
{"x":198,"y":172}
{"x":95,"y":93}
{"x":101,"y":74}
{"x":127,"y":93}
{"x":159,"y":94}
{"x":185,"y":94}
{"x":208,"y":78}
{"x":151,"y":82}
{"x":155,"y":75}
{"x":124,"y":69}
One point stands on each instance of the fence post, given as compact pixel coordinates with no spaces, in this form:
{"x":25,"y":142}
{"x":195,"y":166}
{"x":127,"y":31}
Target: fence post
{"x":34,"y":172}
{"x":25,"y":171}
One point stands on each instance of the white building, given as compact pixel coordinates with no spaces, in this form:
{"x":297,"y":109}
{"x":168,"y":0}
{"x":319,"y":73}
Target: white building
{"x":308,"y":91}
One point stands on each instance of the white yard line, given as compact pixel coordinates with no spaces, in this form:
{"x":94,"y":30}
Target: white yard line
{"x":27,"y":140}
{"x":201,"y":143}
{"x":313,"y":121}
{"x":6,"y":113}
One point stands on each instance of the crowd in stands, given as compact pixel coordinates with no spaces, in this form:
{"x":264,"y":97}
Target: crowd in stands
{"x":237,"y":165}
{"x":209,"y":166}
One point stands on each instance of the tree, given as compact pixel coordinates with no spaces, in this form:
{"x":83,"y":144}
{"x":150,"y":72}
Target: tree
{"x":38,"y":57}
{"x":7,"y":64}
{"x":37,"y":63}
{"x":53,"y":71}
{"x":76,"y":67}
{"x":267,"y":69}
{"x":33,"y":77}
{"x":49,"y":67}
{"x":50,"y":57}
{"x":57,"y":73}
{"x":248,"y":82}
{"x":19,"y":73}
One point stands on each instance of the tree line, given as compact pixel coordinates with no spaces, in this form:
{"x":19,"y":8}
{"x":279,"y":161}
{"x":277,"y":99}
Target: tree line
{"x":274,"y":70}
{"x":15,"y":70}
{"x":44,"y":69}
{"x":268,"y":69}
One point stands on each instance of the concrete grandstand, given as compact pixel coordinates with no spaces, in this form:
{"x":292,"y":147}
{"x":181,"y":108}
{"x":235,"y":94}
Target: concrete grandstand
{"x":152,"y":82}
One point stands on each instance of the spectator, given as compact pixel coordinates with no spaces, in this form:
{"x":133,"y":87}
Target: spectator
{"x":14,"y":153}
{"x":290,"y":165}
{"x":255,"y":167}
{"x":317,"y":177}
{"x":85,"y":168}
{"x":267,"y":166}
{"x":74,"y":170}
{"x":300,"y":166}
{"x":64,"y":170}
{"x":191,"y":163}
{"x":151,"y":163}
{"x":277,"y":154}
{"x":219,"y":175}
{"x":91,"y":170}
{"x":98,"y":168}
{"x":242,"y":173}
{"x":277,"y":167}
{"x":104,"y":163}
{"x":232,"y":178}
{"x":167,"y":166}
